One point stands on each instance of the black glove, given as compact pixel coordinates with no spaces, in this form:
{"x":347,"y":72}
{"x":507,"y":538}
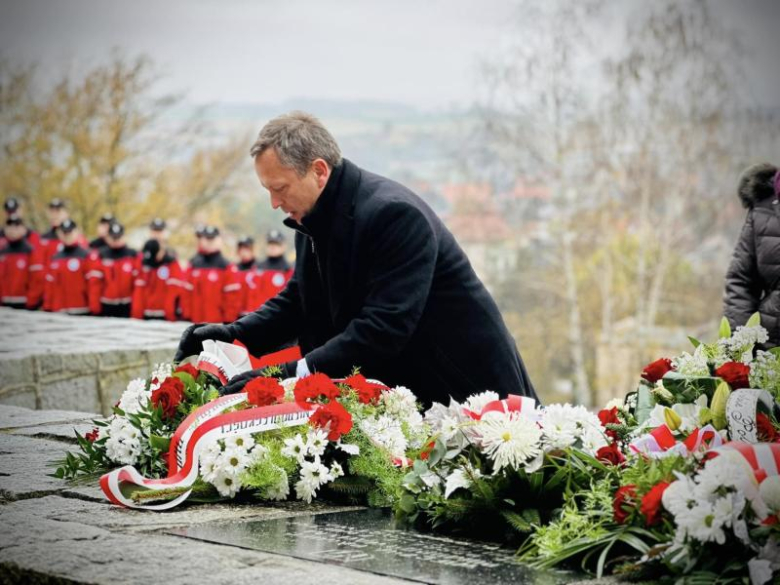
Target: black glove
{"x":237,"y":383}
{"x":193,"y":337}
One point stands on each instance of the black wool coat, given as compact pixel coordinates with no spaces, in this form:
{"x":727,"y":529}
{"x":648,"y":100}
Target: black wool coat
{"x":753,"y":277}
{"x":381,"y":283}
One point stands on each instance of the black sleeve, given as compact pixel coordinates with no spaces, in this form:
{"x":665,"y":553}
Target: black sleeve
{"x":743,"y":283}
{"x":273,"y":326}
{"x":402,"y":251}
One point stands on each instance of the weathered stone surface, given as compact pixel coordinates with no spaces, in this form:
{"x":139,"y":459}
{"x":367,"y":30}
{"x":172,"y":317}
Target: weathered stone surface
{"x":33,"y":544}
{"x":25,"y":464}
{"x":55,"y":432}
{"x":14,"y":417}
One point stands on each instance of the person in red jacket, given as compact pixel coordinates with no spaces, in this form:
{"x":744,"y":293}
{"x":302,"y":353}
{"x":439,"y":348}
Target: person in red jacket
{"x":66,"y":289}
{"x":159,"y":284}
{"x":111,"y":279}
{"x":275,"y":271}
{"x":12,"y":206}
{"x":102,"y":231}
{"x":247,"y":276}
{"x":214,"y":282}
{"x":21,"y":274}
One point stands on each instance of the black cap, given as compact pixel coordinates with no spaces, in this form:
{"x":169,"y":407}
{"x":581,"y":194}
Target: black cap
{"x":107,"y":218}
{"x":116,"y":230}
{"x":56,"y":203}
{"x":210,"y":232}
{"x":68,"y":226}
{"x":275,"y":237}
{"x":158,"y":224}
{"x":14,"y":219}
{"x":199,"y":229}
{"x":246,"y":242}
{"x":151,"y":249}
{"x":11,"y":204}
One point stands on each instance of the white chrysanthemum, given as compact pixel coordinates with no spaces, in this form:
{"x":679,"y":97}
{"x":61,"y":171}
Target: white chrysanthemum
{"x":295,"y":447}
{"x":227,"y":485}
{"x":134,"y":397}
{"x":476,"y":402}
{"x":728,"y":470}
{"x":510,"y":440}
{"x":316,"y":441}
{"x":124,"y":441}
{"x":315,"y":473}
{"x":770,"y":492}
{"x":460,"y":478}
{"x":305,"y":491}
{"x":336,"y":470}
{"x":386,"y":431}
{"x":348,"y":448}
{"x":234,"y":461}
{"x":701,"y":523}
{"x":679,"y":495}
{"x":245,"y":442}
{"x":560,"y":426}
{"x":280,"y":490}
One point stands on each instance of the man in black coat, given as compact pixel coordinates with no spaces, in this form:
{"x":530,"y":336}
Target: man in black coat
{"x":753,"y":278}
{"x":379,"y":283}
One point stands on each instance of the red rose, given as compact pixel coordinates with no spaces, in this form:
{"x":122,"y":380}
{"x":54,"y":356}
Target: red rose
{"x":655,"y":371}
{"x":264,"y":391}
{"x":368,"y":392}
{"x":311,"y":388}
{"x":624,"y":496}
{"x":92,"y":435}
{"x":734,"y":374}
{"x":766,"y":430}
{"x":651,"y":503}
{"x":334,"y":418}
{"x":168,"y":396}
{"x":187,"y":369}
{"x":609,"y":417}
{"x":770,"y":520}
{"x":611,"y":455}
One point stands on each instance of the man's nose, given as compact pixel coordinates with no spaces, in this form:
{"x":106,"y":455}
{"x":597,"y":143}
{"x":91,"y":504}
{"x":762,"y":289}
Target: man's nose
{"x":275,"y":201}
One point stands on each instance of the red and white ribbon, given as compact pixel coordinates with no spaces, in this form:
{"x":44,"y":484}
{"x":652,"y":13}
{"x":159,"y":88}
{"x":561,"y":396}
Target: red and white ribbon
{"x":661,"y":442}
{"x":199,"y":430}
{"x":512,"y":403}
{"x":742,"y":410}
{"x":764,"y":458}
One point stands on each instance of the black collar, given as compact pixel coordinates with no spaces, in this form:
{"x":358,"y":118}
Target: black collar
{"x":318,"y":221}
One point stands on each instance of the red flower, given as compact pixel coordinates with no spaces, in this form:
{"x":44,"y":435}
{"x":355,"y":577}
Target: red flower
{"x":168,"y":396}
{"x":611,"y":455}
{"x":368,"y":392}
{"x":734,"y":374}
{"x":187,"y":369}
{"x":609,"y":417}
{"x":264,"y":391}
{"x":309,"y":389}
{"x":425,"y":453}
{"x":624,"y":496}
{"x":651,"y":503}
{"x":334,"y":418}
{"x":766,"y":430}
{"x":770,"y":520}
{"x":92,"y":435}
{"x":655,"y":371}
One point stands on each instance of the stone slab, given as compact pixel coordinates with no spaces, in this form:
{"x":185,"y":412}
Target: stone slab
{"x":25,"y":465}
{"x":15,"y":417}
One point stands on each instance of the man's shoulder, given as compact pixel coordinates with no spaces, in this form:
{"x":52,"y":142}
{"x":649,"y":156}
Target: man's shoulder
{"x":380,"y":195}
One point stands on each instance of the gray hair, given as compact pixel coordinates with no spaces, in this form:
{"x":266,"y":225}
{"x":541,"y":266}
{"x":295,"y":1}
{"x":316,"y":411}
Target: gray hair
{"x":298,"y":139}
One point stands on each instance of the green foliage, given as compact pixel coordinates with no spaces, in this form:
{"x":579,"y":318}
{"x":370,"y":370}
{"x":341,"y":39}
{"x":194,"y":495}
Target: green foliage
{"x":374,"y":464}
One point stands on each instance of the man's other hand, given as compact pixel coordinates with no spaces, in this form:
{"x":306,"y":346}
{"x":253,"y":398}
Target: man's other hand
{"x":193,"y":337}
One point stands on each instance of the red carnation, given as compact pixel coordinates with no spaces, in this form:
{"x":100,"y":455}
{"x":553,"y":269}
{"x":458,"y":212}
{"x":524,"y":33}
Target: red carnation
{"x":168,"y":396}
{"x":609,"y":417}
{"x":334,"y":418}
{"x":655,"y":371}
{"x":92,"y":435}
{"x":187,"y":369}
{"x":611,"y":455}
{"x":651,"y":503}
{"x":309,"y":389}
{"x":368,"y":392}
{"x":624,"y":496}
{"x":734,"y":374}
{"x":766,"y":430}
{"x":264,"y":391}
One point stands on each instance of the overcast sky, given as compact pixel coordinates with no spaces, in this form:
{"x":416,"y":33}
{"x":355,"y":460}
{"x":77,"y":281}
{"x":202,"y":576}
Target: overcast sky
{"x":420,"y":52}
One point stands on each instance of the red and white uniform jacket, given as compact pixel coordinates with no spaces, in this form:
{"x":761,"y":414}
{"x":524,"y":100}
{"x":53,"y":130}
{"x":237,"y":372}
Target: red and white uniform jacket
{"x":273,"y":274}
{"x":214,"y":287}
{"x":21,"y":274}
{"x":66,"y":287}
{"x":250,"y":295}
{"x":111,"y":277}
{"x":160,"y":289}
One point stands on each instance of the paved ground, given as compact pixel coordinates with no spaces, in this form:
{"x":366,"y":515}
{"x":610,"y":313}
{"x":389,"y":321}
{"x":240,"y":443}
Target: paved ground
{"x":53,"y":532}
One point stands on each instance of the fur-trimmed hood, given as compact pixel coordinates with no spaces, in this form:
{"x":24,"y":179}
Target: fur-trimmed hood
{"x":757,"y":183}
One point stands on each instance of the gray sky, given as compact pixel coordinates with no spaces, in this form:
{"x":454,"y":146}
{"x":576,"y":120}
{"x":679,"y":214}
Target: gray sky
{"x":413,"y":51}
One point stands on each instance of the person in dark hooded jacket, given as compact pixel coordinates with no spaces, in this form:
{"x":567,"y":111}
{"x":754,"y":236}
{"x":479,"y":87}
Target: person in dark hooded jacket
{"x":753,"y":278}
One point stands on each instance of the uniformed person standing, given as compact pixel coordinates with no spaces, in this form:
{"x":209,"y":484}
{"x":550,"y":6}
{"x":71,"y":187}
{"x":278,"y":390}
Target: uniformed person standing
{"x":248,"y":276}
{"x":12,"y":206}
{"x":21,"y":274}
{"x":214,"y":282}
{"x":111,"y":279}
{"x":275,"y":271}
{"x":102,"y":231}
{"x":159,"y":284}
{"x":66,"y":289}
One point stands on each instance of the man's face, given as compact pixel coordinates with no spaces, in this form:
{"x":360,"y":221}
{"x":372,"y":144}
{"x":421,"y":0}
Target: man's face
{"x":245,"y":254}
{"x":15,"y":232}
{"x":210,"y":245}
{"x":274,"y":249}
{"x":116,"y":243}
{"x":57,"y":215}
{"x":158,"y":235}
{"x":102,"y":229}
{"x":69,"y":238}
{"x":296,"y":195}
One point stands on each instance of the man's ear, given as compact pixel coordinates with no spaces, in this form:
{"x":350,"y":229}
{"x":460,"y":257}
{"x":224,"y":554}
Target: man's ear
{"x":321,"y":171}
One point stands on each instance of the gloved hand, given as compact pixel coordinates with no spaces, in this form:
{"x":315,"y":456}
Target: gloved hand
{"x":193,"y":337}
{"x":237,"y":383}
